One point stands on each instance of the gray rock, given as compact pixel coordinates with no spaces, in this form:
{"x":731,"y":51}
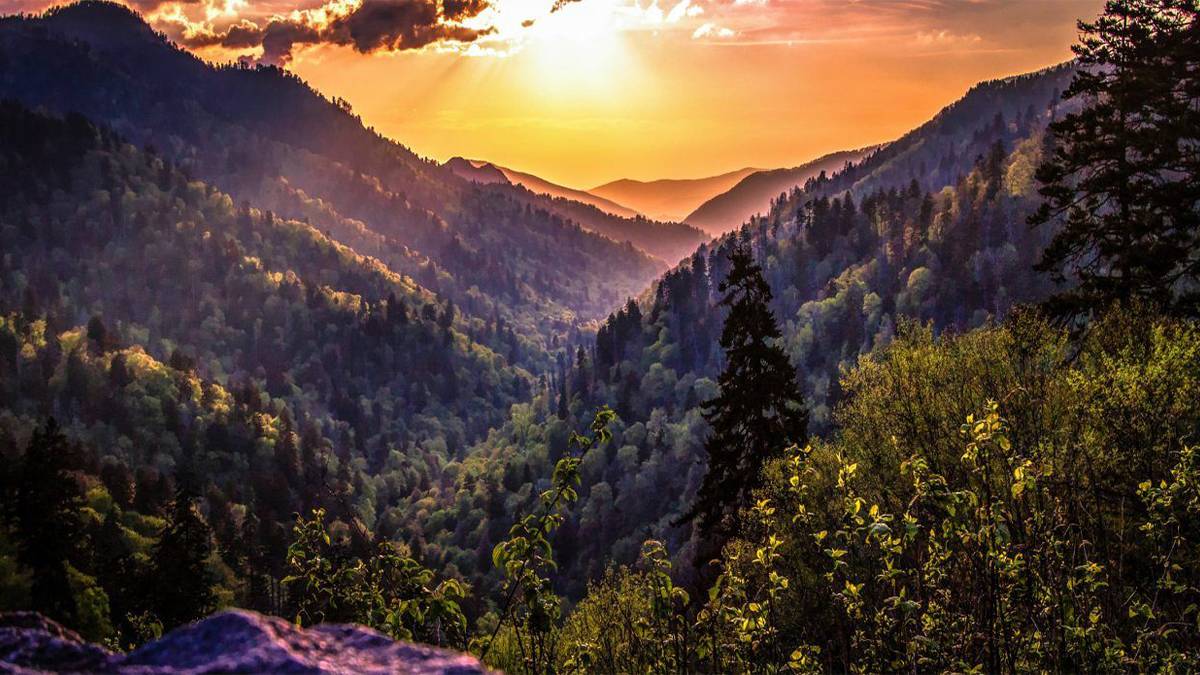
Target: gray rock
{"x":234,"y":641}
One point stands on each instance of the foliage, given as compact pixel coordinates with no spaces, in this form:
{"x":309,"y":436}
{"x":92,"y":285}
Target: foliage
{"x":631,"y":620}
{"x":1015,"y":542}
{"x":531,"y":608}
{"x":387,"y":590}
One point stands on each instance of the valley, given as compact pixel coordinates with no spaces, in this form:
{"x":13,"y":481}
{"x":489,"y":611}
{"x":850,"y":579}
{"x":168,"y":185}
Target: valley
{"x":256,"y":354}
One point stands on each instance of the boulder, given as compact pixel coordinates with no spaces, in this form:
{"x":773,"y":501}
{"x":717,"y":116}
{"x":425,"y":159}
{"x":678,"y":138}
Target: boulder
{"x":233,"y":641}
{"x":29,"y":642}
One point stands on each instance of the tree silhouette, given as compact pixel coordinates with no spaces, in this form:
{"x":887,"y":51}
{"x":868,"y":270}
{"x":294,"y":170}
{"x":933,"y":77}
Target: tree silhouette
{"x":46,"y":519}
{"x":760,"y":410}
{"x":183,"y":584}
{"x":1123,"y":174}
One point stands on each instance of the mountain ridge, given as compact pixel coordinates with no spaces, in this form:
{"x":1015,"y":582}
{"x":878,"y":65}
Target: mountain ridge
{"x":266,"y":137}
{"x":669,"y":242}
{"x":754,"y":192}
{"x":539,"y":185}
{"x":669,"y":198}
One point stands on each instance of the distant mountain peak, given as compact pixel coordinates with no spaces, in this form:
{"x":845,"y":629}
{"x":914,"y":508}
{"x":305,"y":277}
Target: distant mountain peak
{"x":668,"y":198}
{"x":476,"y":171}
{"x":753,"y":192}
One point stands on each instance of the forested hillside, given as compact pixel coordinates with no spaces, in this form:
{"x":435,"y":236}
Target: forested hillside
{"x":171,"y":331}
{"x":753,"y":194}
{"x":264,"y":136}
{"x":669,"y":242}
{"x":931,"y":229}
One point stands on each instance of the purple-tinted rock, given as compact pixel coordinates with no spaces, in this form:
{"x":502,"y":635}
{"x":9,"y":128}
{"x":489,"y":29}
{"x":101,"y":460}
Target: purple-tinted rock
{"x":234,"y":641}
{"x":29,"y":642}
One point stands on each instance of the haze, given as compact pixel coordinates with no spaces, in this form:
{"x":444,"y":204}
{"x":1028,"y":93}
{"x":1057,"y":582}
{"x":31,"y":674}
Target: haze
{"x":607,"y":89}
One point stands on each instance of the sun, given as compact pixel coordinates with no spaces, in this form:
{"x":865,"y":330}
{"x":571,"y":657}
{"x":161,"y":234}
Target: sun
{"x":580,"y":46}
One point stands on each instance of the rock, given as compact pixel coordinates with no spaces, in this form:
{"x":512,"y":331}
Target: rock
{"x":234,"y":641}
{"x":29,"y":642}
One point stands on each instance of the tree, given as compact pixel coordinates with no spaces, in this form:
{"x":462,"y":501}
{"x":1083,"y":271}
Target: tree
{"x":759,"y":411}
{"x":183,"y":583}
{"x":118,"y":573}
{"x":46,"y":519}
{"x":1123,"y":175}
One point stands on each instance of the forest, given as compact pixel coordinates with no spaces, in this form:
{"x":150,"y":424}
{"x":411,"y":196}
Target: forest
{"x":932,"y":411}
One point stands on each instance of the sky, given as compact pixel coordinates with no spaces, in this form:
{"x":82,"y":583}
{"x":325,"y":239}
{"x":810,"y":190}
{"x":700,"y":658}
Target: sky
{"x":582,"y":92}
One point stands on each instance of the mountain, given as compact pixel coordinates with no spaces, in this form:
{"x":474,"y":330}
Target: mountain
{"x":929,"y":228}
{"x":670,"y":198}
{"x":476,"y":172}
{"x":183,"y":340}
{"x":754,"y":192}
{"x":486,"y":172}
{"x":265,"y":137}
{"x":667,"y":241}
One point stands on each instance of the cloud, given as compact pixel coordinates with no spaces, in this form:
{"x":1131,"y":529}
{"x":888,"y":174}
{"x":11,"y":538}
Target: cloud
{"x":711,"y":30}
{"x":945,"y":37}
{"x":151,"y":5}
{"x":371,"y":25}
{"x":684,"y":8}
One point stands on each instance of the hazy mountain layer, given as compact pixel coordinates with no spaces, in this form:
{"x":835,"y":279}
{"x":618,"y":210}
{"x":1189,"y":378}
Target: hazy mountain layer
{"x":668,"y":198}
{"x":667,"y":241}
{"x":752,"y":195}
{"x":266,"y":137}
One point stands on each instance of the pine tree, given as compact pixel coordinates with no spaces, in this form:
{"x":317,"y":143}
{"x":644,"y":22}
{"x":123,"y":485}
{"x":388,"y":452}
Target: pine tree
{"x":1123,"y":177}
{"x":183,"y":584}
{"x":117,"y":571}
{"x":760,"y":410}
{"x":46,"y":519}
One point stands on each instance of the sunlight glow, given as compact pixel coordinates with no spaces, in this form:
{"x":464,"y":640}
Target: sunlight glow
{"x":578,"y":49}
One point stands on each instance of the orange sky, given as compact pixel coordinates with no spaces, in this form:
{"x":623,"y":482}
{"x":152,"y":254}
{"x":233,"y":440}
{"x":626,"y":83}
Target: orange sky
{"x":604,"y":89}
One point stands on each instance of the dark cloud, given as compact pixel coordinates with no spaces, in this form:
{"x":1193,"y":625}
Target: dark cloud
{"x":456,"y":10}
{"x":278,"y":39}
{"x":387,"y":25}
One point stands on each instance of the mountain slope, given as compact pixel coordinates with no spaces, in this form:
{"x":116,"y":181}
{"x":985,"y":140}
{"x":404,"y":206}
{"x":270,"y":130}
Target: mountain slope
{"x":753,"y":193}
{"x":669,"y":198}
{"x":486,"y":173}
{"x":667,"y":241}
{"x":846,"y":270}
{"x":265,"y":137}
{"x":176,"y":335}
{"x":542,"y":186}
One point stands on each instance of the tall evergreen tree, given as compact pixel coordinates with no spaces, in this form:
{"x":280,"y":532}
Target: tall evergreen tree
{"x":760,"y":410}
{"x":1123,"y":177}
{"x":183,"y":584}
{"x":46,"y":519}
{"x":118,"y":572}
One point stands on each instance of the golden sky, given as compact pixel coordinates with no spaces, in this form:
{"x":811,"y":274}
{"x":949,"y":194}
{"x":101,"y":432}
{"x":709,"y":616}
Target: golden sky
{"x":602,"y":89}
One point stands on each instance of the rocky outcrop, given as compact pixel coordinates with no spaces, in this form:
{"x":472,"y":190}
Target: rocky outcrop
{"x":234,"y":641}
{"x":29,"y":642}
